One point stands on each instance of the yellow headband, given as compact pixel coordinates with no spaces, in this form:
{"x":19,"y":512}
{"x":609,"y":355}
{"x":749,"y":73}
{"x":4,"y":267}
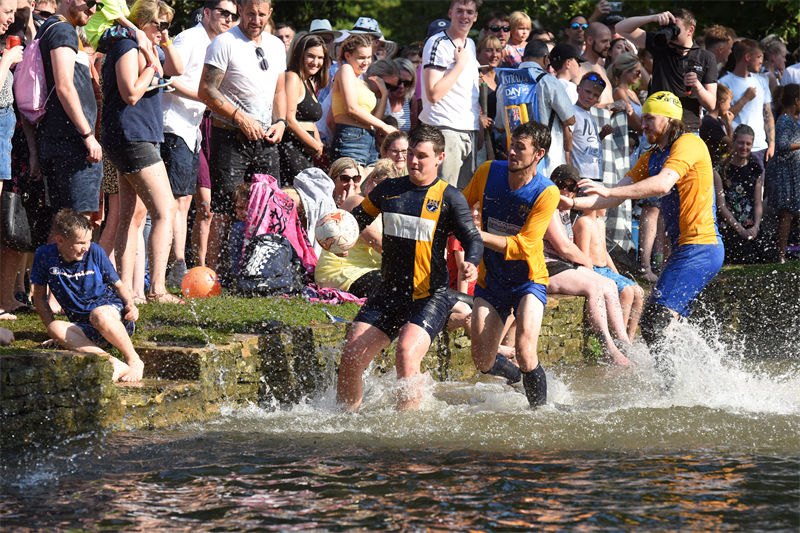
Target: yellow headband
{"x":663,"y":103}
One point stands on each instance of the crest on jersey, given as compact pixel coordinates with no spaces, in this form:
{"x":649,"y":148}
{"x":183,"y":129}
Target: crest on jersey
{"x":432,"y":206}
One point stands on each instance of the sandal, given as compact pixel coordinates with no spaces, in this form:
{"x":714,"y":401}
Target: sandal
{"x":164,"y":298}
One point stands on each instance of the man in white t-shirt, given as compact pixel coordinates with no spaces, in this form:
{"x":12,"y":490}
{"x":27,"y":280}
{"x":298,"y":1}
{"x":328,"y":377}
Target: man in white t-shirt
{"x":751,"y":97}
{"x":183,"y":112}
{"x":242,"y":84}
{"x":450,"y":86}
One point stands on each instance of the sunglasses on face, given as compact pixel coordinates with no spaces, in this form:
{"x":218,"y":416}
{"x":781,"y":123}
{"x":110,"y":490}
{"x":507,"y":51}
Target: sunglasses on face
{"x":570,"y":187}
{"x":46,"y":14}
{"x":496,"y":29}
{"x":262,"y":61}
{"x":347,"y":177}
{"x":578,"y":26}
{"x":402,"y":84}
{"x":225,"y":14}
{"x":92,"y":3}
{"x":162,"y":25}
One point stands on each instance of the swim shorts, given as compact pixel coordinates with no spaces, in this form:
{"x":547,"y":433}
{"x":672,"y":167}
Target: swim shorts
{"x":688,"y":270}
{"x":389,"y":314}
{"x":505,"y":299}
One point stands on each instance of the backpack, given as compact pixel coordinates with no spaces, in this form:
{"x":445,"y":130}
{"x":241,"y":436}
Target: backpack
{"x":270,"y":267}
{"x":30,"y":82}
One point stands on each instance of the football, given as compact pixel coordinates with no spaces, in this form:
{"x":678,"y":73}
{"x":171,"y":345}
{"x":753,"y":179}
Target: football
{"x":337,"y":231}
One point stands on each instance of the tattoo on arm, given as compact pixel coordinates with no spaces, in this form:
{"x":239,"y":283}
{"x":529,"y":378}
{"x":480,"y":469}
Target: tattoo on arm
{"x":769,"y":124}
{"x":212,"y":79}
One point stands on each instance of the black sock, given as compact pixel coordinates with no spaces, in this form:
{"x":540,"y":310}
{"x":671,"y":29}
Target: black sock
{"x":535,"y":383}
{"x":505,"y":369}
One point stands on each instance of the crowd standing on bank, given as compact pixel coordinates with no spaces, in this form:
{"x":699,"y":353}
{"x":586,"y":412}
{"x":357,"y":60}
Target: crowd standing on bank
{"x":178,"y":150}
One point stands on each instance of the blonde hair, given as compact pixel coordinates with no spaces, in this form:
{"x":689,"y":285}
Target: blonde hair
{"x":384,"y":168}
{"x":519,"y":18}
{"x":489,"y":41}
{"x":622,"y":64}
{"x":146,"y":11}
{"x":340,"y":165}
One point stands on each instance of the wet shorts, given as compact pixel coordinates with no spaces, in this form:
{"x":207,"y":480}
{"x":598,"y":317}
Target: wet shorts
{"x":620,"y":280}
{"x":390,"y":314}
{"x":504,"y":300}
{"x":95,"y":336}
{"x":557,"y":266}
{"x":689,"y":269}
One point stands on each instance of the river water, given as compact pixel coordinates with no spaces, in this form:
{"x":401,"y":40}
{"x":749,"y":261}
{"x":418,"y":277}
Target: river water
{"x":612,"y":450}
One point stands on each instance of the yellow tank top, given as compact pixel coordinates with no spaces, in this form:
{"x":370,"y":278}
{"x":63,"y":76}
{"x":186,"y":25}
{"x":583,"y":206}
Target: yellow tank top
{"x":366,"y":100}
{"x":337,"y":272}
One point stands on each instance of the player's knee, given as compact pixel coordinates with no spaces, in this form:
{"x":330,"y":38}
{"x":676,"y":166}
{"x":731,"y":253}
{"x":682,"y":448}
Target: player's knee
{"x":655,"y":320}
{"x":101,"y":315}
{"x":57,"y":330}
{"x":638,"y":292}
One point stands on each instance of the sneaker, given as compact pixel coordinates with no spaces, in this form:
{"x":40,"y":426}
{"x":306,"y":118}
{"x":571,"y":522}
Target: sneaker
{"x":175,"y":275}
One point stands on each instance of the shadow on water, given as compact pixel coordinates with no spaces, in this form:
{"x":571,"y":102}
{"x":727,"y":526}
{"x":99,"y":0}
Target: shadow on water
{"x":611,"y":450}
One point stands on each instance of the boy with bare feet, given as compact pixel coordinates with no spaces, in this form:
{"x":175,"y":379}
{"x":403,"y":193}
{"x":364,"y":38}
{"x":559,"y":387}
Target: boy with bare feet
{"x":99,"y":307}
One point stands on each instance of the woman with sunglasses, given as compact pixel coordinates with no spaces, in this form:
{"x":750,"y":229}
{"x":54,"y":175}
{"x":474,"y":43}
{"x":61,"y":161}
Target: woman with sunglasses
{"x":355,"y":109}
{"x":401,"y":103}
{"x":306,"y":73}
{"x":133,"y":127}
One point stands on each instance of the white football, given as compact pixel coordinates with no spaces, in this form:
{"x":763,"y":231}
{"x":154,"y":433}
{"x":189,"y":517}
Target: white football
{"x":337,"y":231}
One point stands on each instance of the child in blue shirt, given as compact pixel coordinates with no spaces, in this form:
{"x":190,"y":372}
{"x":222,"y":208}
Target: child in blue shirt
{"x":83,"y":281}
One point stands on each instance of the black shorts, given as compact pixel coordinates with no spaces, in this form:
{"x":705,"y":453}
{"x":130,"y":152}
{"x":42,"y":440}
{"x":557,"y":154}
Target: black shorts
{"x":234,"y":160}
{"x":558,"y":266}
{"x":131,"y":157}
{"x":182,"y":165}
{"x":389,"y":314}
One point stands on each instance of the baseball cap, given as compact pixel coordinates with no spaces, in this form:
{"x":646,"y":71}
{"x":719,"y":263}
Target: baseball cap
{"x":562,"y":175}
{"x":438,"y":25}
{"x":563,"y":51}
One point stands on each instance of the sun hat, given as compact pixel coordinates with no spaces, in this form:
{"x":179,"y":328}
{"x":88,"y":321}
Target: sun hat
{"x":370,"y":26}
{"x":663,"y":103}
{"x":323,"y":27}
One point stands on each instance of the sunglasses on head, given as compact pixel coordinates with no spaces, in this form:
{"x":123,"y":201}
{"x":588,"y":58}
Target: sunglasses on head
{"x":496,"y":29}
{"x":225,"y":14}
{"x":262,"y":61}
{"x":346,"y":177}
{"x":595,"y":78}
{"x":578,"y":25}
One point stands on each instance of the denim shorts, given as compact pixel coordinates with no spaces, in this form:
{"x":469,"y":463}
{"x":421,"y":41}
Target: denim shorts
{"x":8,"y":122}
{"x":73,"y":183}
{"x":131,"y":157}
{"x":355,"y":142}
{"x":182,"y":165}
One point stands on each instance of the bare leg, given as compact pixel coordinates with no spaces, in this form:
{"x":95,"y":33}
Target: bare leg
{"x":412,"y":345}
{"x":364,"y":341}
{"x":108,"y":237}
{"x":648,"y":229}
{"x":217,"y":240}
{"x":202,"y":224}
{"x":626,"y":301}
{"x":487,"y":331}
{"x":131,"y":218}
{"x":107,"y":321}
{"x":140,"y":264}
{"x":179,"y":228}
{"x":784,"y":228}
{"x":636,"y":311}
{"x":10,"y":266}
{"x":72,"y":337}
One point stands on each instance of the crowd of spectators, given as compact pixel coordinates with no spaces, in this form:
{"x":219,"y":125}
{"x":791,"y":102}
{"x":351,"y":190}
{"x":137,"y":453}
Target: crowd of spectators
{"x":151,"y":136}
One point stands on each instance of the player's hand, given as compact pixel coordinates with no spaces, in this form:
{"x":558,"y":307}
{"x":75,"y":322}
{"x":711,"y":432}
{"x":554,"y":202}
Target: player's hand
{"x":469,"y":272}
{"x":476,"y":215}
{"x":588,"y":186}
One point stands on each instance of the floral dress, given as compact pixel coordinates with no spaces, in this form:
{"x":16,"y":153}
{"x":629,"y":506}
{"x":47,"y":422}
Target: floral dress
{"x":783,"y":170}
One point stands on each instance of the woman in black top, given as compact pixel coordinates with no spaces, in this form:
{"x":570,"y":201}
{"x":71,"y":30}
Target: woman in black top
{"x":309,"y":65}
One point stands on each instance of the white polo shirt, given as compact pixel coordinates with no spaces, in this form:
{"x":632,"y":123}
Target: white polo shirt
{"x":458,"y":109}
{"x":246,"y":84}
{"x":182,"y":116}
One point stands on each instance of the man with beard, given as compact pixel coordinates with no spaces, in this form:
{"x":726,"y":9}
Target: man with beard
{"x":678,"y":169}
{"x":513,"y":205}
{"x":575,"y":32}
{"x":242,"y":84}
{"x":598,"y":43}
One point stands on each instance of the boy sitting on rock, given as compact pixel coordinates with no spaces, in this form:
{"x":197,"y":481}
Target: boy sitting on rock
{"x":99,"y":307}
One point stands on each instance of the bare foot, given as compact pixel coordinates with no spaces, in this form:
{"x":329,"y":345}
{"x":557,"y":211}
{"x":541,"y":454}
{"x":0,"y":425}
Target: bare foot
{"x":650,"y":276}
{"x":617,"y":357}
{"x":7,"y":315}
{"x":120,"y":368}
{"x":135,"y":371}
{"x":164,"y":298}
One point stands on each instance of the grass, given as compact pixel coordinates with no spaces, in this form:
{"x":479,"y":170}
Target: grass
{"x":201,"y":321}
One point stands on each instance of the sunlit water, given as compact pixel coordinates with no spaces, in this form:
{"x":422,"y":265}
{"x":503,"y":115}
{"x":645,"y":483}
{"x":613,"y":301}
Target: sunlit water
{"x":611,"y":450}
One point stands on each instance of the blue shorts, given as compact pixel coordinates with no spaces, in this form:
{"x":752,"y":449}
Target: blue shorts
{"x":389,"y":314}
{"x":182,"y":165}
{"x":688,"y":270}
{"x":8,"y":121}
{"x":95,"y":336}
{"x":505,"y":299}
{"x":355,"y":142}
{"x":72,"y":182}
{"x":619,"y":279}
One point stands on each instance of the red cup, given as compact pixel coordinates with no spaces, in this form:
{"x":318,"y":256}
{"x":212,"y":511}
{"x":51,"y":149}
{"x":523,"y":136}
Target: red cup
{"x":12,"y":41}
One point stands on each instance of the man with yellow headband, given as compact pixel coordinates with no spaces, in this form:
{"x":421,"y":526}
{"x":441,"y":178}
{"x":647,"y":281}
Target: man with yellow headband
{"x":677,"y":168}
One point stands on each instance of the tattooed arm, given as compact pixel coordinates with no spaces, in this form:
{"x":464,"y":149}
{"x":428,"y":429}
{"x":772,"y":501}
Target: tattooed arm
{"x":209,"y":93}
{"x":769,"y":128}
